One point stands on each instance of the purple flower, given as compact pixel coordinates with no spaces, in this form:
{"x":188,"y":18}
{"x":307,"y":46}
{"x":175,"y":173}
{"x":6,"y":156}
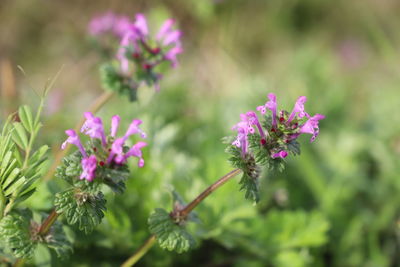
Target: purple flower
{"x":171,"y":55}
{"x":89,"y":168}
{"x":73,"y":138}
{"x":282,"y":154}
{"x":241,"y":139}
{"x":140,"y":25}
{"x":117,"y":153}
{"x":109,"y":23}
{"x":135,"y":151}
{"x":271,"y":105}
{"x":298,"y":109}
{"x":167,"y":42}
{"x":93,"y":127}
{"x":311,"y":126}
{"x":114,"y":125}
{"x":134,"y":129}
{"x":252,"y":119}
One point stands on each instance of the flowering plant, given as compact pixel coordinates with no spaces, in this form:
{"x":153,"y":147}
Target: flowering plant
{"x":100,"y":163}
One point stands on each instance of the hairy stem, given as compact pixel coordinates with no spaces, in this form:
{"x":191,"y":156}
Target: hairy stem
{"x":97,"y":104}
{"x":140,"y":252}
{"x":183,"y":213}
{"x":50,"y":220}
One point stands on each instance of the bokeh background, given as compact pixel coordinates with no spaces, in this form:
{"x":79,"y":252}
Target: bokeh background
{"x":338,"y":204}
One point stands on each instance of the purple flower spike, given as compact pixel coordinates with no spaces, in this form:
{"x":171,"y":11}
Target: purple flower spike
{"x":253,"y":120}
{"x":89,"y":168}
{"x":135,"y":151}
{"x":171,"y":55}
{"x":141,"y":25}
{"x":311,"y":126}
{"x":134,"y":129}
{"x":93,"y":127}
{"x":114,"y":124}
{"x":117,"y":151}
{"x":298,"y":109}
{"x":165,"y":29}
{"x":282,"y":154}
{"x":73,"y":138}
{"x":241,"y":139}
{"x":271,"y":105}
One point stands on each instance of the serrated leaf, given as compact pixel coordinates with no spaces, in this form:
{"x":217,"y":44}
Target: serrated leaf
{"x":81,"y":208}
{"x":169,"y":235}
{"x":251,"y":187}
{"x":14,"y":230}
{"x":25,"y":115}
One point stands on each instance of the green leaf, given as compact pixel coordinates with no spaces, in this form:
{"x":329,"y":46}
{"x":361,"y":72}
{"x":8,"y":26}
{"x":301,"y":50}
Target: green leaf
{"x":58,"y":241}
{"x":25,"y":115}
{"x":250,"y":186}
{"x":19,"y":135}
{"x":15,"y":231}
{"x":169,"y":235}
{"x":84,"y":209}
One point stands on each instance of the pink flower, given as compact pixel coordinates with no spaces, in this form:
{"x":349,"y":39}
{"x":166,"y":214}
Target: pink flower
{"x":135,"y":151}
{"x":241,"y":140}
{"x":134,"y":129}
{"x":298,"y":109}
{"x":93,"y":127}
{"x":252,"y":119}
{"x":140,"y":25}
{"x":89,"y":168}
{"x":117,"y":153}
{"x":114,"y":125}
{"x":311,"y":126}
{"x":109,"y":23}
{"x":73,"y":138}
{"x":271,"y":105}
{"x":282,"y":154}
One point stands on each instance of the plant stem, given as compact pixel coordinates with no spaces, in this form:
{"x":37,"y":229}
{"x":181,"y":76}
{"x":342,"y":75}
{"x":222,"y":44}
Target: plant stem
{"x":50,"y":220}
{"x":140,"y":252}
{"x":97,"y":104}
{"x":43,"y":230}
{"x":183,"y":213}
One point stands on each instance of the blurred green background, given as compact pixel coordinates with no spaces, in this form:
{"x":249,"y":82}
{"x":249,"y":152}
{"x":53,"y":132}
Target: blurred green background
{"x":338,"y":204}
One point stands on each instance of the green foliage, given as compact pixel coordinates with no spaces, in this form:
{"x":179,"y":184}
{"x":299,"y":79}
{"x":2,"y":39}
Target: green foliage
{"x":112,"y":80}
{"x":58,"y":241}
{"x":85,"y":209}
{"x":15,"y":232}
{"x":19,"y":167}
{"x":169,"y":235}
{"x":250,"y":186}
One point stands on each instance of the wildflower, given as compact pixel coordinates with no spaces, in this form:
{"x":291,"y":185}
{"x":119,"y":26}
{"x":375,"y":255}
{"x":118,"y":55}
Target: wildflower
{"x":298,"y":109}
{"x":281,"y":137}
{"x":145,"y":52}
{"x":109,"y":23}
{"x":281,"y":154}
{"x":93,"y":127}
{"x":89,"y":166}
{"x":311,"y":126}
{"x":73,"y":138}
{"x":112,"y":150}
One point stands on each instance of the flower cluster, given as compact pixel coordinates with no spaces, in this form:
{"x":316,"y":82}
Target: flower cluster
{"x":111,"y":150}
{"x":109,"y":23}
{"x":145,"y":52}
{"x":139,"y":53}
{"x":279,"y":131}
